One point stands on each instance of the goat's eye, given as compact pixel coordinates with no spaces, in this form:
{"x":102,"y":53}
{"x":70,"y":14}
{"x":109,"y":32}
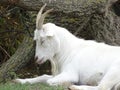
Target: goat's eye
{"x":42,"y":42}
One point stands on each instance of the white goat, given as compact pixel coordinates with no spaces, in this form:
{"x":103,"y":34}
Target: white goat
{"x":95,"y":66}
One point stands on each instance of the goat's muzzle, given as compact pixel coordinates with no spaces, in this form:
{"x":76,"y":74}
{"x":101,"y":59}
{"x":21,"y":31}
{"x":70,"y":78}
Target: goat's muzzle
{"x":39,"y":61}
{"x":36,"y":58}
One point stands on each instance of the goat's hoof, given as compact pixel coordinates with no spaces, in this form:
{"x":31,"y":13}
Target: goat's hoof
{"x":21,"y":81}
{"x":72,"y":87}
{"x":15,"y":81}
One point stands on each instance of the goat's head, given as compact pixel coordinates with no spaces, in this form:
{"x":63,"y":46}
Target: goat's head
{"x":47,"y":44}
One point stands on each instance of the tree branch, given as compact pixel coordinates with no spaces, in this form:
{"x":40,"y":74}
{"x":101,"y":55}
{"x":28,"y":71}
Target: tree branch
{"x":57,"y":5}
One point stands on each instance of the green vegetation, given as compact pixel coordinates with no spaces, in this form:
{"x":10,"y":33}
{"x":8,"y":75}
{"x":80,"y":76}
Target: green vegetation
{"x":14,"y":86}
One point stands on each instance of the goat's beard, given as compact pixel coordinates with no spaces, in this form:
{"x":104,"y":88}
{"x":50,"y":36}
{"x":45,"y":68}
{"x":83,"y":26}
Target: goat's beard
{"x":54,"y":67}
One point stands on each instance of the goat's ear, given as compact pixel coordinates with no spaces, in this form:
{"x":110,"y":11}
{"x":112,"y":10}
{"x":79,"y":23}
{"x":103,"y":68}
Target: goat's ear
{"x":49,"y":34}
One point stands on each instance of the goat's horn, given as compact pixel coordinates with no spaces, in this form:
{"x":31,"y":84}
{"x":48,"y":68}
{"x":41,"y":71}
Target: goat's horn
{"x":39,"y":16}
{"x":43,"y":17}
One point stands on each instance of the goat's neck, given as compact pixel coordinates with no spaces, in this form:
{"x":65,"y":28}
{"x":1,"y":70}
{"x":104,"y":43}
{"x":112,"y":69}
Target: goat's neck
{"x":67,"y":43}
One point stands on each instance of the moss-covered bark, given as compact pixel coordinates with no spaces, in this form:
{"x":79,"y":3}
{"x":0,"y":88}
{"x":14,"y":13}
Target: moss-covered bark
{"x":22,"y":56}
{"x":58,"y":5}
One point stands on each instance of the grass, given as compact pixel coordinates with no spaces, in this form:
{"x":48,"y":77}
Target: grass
{"x":39,"y":86}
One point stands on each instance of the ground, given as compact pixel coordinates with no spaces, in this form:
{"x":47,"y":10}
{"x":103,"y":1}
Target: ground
{"x":39,"y":86}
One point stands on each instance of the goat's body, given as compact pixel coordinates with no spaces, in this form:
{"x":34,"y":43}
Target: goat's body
{"x":85,"y":57}
{"x":83,"y":61}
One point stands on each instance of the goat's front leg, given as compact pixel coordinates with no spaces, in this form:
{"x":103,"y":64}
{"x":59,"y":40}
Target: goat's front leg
{"x":41,"y":79}
{"x":64,"y":78}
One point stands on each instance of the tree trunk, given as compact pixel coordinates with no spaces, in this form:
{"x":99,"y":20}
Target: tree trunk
{"x":89,"y":19}
{"x":22,"y":56}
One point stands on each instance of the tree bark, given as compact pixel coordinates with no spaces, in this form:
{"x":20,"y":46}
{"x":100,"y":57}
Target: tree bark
{"x":22,"y":56}
{"x":89,"y":19}
{"x":58,"y":5}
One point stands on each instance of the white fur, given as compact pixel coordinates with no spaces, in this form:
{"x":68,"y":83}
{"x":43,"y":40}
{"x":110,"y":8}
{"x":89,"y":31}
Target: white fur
{"x":76,"y":60}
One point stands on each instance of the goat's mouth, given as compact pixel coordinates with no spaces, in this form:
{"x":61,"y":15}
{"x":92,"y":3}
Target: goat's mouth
{"x":40,"y":61}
